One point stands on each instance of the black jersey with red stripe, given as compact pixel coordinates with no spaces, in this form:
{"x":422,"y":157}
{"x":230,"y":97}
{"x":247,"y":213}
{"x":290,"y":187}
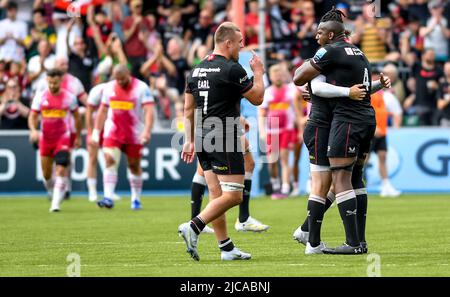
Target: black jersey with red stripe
{"x":217,"y":85}
{"x":345,"y":65}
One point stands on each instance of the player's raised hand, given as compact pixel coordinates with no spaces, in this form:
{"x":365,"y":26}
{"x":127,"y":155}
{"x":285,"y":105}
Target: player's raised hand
{"x":188,"y":154}
{"x":256,"y":64}
{"x":358,"y":92}
{"x":385,"y":81}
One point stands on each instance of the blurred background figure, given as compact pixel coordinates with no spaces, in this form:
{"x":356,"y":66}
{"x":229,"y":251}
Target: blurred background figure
{"x":13,"y":109}
{"x":387,"y":108}
{"x":443,"y":103}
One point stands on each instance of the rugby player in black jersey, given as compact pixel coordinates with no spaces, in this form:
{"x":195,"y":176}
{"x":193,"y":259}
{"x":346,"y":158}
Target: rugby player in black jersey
{"x":348,"y":142}
{"x":214,"y":89}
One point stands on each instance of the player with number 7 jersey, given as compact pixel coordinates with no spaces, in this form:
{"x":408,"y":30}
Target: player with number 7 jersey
{"x":213,"y":93}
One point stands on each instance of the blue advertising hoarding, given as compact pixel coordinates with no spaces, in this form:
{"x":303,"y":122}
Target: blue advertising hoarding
{"x":418,"y":161}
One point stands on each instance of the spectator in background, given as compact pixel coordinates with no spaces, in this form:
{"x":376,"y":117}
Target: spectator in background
{"x":305,"y":26}
{"x":97,"y":20}
{"x":419,"y":10}
{"x":348,"y":23}
{"x":385,"y":105}
{"x":252,"y":25}
{"x":203,"y":30}
{"x":13,"y":109}
{"x":397,"y":26}
{"x":371,"y":34}
{"x":436,"y":32}
{"x":397,"y":88}
{"x":39,"y":30}
{"x":111,"y":53}
{"x":17,"y":72}
{"x":12,"y":35}
{"x":38,"y":64}
{"x":81,"y":62}
{"x":171,"y":27}
{"x":443,"y":103}
{"x":411,"y":43}
{"x":61,"y":24}
{"x":187,"y":8}
{"x":281,"y":34}
{"x":196,"y":54}
{"x":166,"y":98}
{"x":153,"y":63}
{"x":152,"y":42}
{"x":3,"y":75}
{"x":175,"y":65}
{"x":134,"y":47}
{"x":423,"y":103}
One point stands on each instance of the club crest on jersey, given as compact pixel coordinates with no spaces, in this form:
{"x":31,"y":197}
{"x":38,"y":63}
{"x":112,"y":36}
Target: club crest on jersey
{"x":319,"y":54}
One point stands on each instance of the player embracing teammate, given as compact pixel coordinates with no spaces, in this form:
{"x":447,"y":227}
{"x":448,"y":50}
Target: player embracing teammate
{"x":344,"y":123}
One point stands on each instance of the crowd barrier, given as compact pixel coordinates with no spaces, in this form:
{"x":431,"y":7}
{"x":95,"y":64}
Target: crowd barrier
{"x":418,"y":161}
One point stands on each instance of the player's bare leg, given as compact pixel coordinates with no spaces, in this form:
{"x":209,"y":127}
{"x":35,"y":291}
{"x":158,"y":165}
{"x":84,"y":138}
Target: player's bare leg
{"x":62,"y":160}
{"x":92,"y":173}
{"x":47,"y":173}
{"x":112,"y":158}
{"x":285,"y":172}
{"x":135,"y":178}
{"x":274,"y":174}
{"x":387,"y":190}
{"x":245,"y":222}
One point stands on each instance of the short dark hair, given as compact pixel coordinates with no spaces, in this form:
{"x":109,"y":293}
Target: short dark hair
{"x":39,"y":10}
{"x":54,"y":72}
{"x":11,"y":5}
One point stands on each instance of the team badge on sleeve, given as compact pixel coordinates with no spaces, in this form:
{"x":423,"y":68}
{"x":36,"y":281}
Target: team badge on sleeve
{"x":319,"y":54}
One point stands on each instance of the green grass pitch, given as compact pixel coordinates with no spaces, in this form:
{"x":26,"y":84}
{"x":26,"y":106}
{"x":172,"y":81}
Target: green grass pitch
{"x":410,"y":234}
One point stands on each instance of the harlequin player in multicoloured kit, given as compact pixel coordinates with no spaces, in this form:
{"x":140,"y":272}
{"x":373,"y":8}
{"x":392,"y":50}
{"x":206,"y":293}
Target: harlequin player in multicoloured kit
{"x":73,"y":85}
{"x":279,"y":111}
{"x":126,"y":114}
{"x":93,"y":102}
{"x":56,"y":107}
